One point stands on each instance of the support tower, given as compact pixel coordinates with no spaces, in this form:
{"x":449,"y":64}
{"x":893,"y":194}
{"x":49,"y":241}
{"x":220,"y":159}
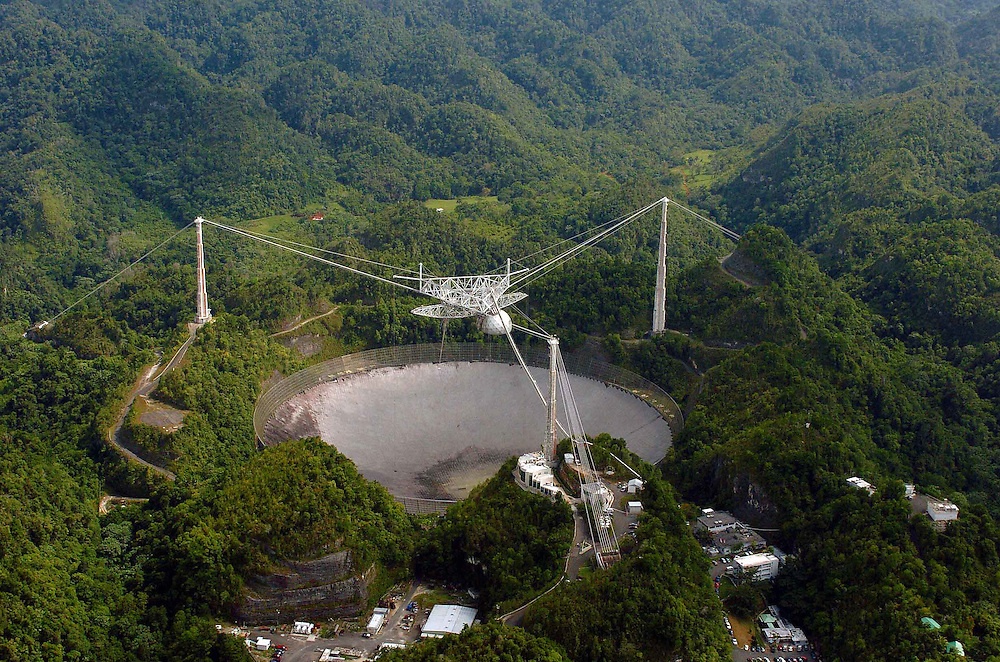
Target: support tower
{"x":203,"y":313}
{"x":660,"y":296}
{"x":550,"y":443}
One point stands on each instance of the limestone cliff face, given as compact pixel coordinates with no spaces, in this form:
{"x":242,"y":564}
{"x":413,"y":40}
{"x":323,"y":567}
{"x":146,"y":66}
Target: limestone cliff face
{"x":751,"y":504}
{"x":327,"y":587}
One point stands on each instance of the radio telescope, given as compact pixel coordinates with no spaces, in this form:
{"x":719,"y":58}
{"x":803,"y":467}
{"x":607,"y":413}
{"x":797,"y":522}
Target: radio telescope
{"x":487,"y":297}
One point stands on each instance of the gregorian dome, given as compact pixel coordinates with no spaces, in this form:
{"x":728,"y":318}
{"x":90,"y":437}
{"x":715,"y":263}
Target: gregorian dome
{"x":495,"y":325}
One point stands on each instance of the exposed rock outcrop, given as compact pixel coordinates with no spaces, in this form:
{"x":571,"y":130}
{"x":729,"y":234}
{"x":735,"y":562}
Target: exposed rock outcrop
{"x":327,"y":587}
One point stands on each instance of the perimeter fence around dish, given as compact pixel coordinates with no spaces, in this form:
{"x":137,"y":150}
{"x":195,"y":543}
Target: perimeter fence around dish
{"x":421,"y":506}
{"x":388,"y":357}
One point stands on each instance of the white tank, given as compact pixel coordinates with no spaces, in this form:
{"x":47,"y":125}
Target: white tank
{"x":495,"y":325}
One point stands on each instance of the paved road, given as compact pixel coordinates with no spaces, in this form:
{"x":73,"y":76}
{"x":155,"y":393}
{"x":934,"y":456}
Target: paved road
{"x":309,"y":649}
{"x":398,"y":613}
{"x":574,"y":560}
{"x":144,"y":386}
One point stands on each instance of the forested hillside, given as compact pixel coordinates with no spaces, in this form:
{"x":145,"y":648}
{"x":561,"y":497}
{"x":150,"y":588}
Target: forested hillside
{"x":853,"y":330}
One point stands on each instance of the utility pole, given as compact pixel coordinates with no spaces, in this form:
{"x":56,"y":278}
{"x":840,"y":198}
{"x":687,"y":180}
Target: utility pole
{"x":203,"y":313}
{"x":660,"y":295}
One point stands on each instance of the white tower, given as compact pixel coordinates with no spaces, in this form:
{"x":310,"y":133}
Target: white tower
{"x":203,"y":313}
{"x":550,"y":443}
{"x":660,"y":296}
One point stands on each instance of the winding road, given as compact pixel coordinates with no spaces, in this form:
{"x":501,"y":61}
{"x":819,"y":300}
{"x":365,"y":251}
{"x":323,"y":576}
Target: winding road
{"x":144,"y":386}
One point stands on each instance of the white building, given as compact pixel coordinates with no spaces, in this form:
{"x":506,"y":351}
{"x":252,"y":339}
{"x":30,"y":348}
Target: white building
{"x":909,"y":490}
{"x":784,"y":635}
{"x":534,"y":474}
{"x":262,"y":644}
{"x":941,"y":512}
{"x":634,"y":486}
{"x":448,"y":619}
{"x":861,"y":484}
{"x":377,"y":620}
{"x":765,"y":566}
{"x":717,"y":521}
{"x":634,"y":507}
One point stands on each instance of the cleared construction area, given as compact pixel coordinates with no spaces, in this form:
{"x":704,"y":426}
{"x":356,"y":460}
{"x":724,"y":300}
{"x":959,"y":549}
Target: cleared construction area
{"x":437,"y":429}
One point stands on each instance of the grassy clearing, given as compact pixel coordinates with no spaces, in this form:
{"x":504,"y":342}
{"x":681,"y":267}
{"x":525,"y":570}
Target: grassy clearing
{"x":481,"y":227}
{"x":450,"y":205}
{"x":697,"y":168}
{"x":699,"y":157}
{"x":268,"y":224}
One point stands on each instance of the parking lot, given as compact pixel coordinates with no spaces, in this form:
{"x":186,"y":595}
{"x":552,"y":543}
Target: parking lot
{"x":758,"y":655}
{"x":402,"y":627}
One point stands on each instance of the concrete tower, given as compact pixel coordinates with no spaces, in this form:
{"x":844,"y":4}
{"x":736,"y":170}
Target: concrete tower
{"x":660,"y":296}
{"x":203,"y":313}
{"x":549,"y":446}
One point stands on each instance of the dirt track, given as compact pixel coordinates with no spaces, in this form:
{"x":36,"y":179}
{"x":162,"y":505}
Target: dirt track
{"x":144,"y":386}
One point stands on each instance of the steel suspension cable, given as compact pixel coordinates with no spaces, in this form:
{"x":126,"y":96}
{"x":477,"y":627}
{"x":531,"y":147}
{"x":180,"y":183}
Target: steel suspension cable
{"x":115,"y":277}
{"x":344,"y":267}
{"x":730,"y":234}
{"x":539,"y":271}
{"x":329,"y":252}
{"x":570,"y":239}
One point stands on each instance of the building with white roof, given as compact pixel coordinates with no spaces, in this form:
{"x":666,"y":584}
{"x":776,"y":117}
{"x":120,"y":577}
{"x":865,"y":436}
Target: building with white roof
{"x":861,"y":484}
{"x":941,"y":512}
{"x":534,"y":474}
{"x":378,"y":619}
{"x":634,"y":485}
{"x":448,"y":619}
{"x":790,"y":635}
{"x":763,"y":566}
